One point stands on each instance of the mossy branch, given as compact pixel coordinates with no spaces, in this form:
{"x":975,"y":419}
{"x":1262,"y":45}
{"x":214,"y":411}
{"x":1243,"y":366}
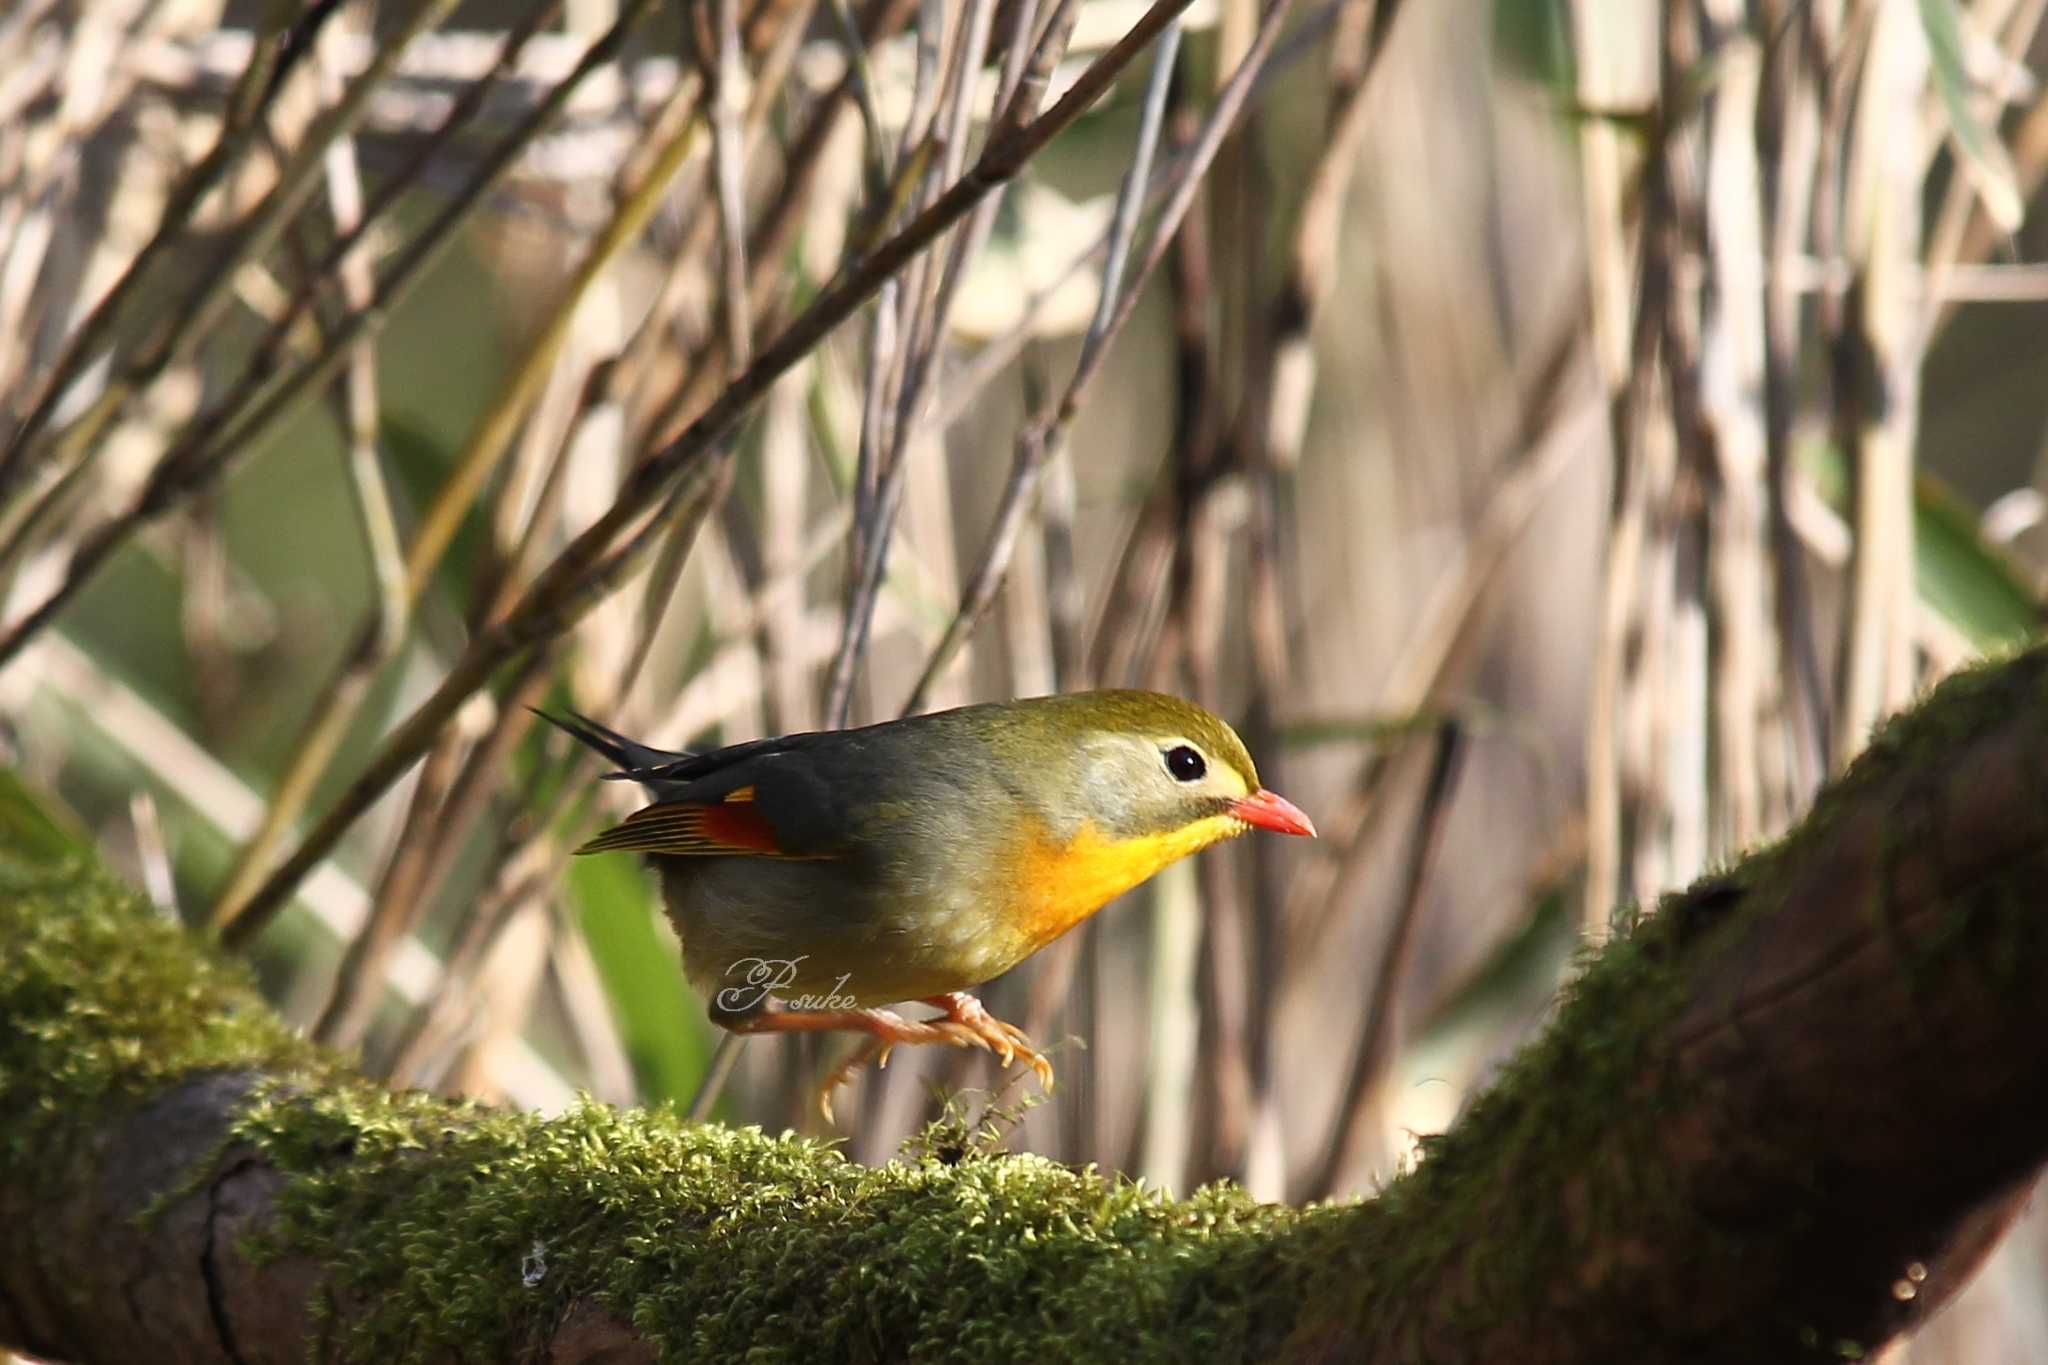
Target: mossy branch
{"x":1779,"y":1119}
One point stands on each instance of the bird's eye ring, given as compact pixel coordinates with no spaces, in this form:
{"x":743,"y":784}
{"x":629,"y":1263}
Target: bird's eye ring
{"x":1185,"y":764}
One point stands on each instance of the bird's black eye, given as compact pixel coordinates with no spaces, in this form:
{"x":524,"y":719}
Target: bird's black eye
{"x":1185,"y":764}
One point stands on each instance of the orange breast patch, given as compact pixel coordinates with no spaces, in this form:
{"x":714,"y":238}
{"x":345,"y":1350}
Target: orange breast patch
{"x":1060,"y":884}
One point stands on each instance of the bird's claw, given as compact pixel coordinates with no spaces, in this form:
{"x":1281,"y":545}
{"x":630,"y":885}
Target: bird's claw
{"x":1009,"y":1043}
{"x":965,"y":1023}
{"x":876,"y":1050}
{"x":959,"y":1034}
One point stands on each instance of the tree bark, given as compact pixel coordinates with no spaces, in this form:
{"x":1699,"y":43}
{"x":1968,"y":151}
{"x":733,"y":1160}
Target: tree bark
{"x":1781,"y":1118}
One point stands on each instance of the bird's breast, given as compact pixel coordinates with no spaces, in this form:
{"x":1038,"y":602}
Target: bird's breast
{"x":1056,"y":883}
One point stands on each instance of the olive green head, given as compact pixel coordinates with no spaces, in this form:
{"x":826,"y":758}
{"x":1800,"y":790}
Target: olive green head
{"x":1133,"y":763}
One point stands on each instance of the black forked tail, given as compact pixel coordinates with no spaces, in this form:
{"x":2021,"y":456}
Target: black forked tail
{"x":631,"y":755}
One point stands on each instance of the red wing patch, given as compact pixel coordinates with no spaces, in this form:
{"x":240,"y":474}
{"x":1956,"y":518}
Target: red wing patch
{"x":694,"y":828}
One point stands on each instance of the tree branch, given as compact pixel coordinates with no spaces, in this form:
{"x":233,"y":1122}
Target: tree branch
{"x":1781,"y":1119}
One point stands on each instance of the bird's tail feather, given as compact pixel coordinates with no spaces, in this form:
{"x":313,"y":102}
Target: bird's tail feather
{"x":631,"y":755}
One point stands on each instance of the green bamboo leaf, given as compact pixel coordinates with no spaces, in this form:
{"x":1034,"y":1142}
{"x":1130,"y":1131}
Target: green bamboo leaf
{"x":1963,"y":576}
{"x":36,"y":826}
{"x":1979,"y":150}
{"x":421,"y":459}
{"x":1533,"y":39}
{"x":1956,"y":571}
{"x":665,"y":1034}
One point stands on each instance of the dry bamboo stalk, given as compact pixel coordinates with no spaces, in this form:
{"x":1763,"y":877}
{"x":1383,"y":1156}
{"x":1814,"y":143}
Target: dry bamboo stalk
{"x":1882,"y":217}
{"x":725,"y":97}
{"x":505,"y":987}
{"x":440,"y":1028}
{"x":1653,"y":615}
{"x":1732,"y":396}
{"x":1788,"y":134}
{"x":588,"y":1006}
{"x":359,"y":399}
{"x":785,"y":479}
{"x":1686,"y":710}
{"x":1608,"y":58}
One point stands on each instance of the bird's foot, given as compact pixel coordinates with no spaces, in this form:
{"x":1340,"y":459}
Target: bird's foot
{"x":886,"y":1029}
{"x":964,"y":1023}
{"x":1007,"y":1041}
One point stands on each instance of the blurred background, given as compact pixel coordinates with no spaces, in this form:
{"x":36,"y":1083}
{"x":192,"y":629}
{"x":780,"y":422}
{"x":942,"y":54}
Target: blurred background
{"x":1553,"y":433}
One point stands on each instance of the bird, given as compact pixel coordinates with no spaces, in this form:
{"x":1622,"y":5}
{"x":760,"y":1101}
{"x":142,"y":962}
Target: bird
{"x":816,"y":879}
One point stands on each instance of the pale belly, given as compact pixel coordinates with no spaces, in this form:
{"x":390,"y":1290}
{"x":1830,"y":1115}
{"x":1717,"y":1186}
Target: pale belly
{"x":806,"y":933}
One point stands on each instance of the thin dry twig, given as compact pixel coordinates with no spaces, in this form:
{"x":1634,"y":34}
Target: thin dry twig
{"x":220,"y":437}
{"x":725,"y":76}
{"x":492,"y":437}
{"x":1035,"y":443}
{"x":274,"y":53}
{"x":1379,"y":1033}
{"x":1039,"y":444}
{"x":190,"y":324}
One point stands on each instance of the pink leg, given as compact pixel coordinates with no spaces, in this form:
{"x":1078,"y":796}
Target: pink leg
{"x":885,"y":1029}
{"x":963,"y":1023}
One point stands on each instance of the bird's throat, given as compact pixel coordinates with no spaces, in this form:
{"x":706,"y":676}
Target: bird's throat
{"x":1062,"y":883}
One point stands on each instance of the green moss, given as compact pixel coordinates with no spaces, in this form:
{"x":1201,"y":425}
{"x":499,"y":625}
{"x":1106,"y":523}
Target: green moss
{"x":451,"y":1230}
{"x":106,"y":1001}
{"x":454,"y":1230}
{"x":1507,"y":1162}
{"x":465,"y":1232}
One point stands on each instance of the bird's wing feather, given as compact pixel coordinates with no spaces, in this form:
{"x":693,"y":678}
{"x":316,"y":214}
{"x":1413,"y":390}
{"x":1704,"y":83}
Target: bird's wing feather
{"x":733,"y":824}
{"x":787,"y":796}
